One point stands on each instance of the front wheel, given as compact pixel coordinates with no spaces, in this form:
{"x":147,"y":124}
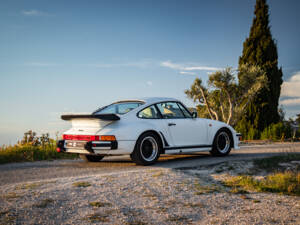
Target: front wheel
{"x":147,"y":149}
{"x":91,"y":158}
{"x":222,"y":143}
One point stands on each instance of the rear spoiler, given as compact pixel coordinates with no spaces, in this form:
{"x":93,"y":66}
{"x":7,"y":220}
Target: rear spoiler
{"x":110,"y":117}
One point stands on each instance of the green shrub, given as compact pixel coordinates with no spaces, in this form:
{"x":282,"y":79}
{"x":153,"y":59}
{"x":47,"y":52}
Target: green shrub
{"x":28,"y":152}
{"x":278,"y":131}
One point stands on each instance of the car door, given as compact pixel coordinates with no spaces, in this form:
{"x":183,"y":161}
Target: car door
{"x":184,"y":130}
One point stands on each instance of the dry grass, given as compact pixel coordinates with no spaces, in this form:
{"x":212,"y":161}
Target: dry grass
{"x":44,"y":203}
{"x":100,"y":204}
{"x":81,"y":184}
{"x":282,"y":182}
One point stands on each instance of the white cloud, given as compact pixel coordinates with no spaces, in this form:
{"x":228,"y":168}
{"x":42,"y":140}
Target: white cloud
{"x":291,"y":88}
{"x":149,"y":83}
{"x":34,"y":12}
{"x":187,"y":67}
{"x":290,"y":102}
{"x":186,"y":72}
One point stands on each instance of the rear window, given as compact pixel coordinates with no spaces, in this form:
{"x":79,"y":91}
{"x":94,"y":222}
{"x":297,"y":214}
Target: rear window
{"x":118,"y":108}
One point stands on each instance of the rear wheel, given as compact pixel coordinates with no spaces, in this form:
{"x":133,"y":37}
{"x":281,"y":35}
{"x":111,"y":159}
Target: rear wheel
{"x":147,"y":149}
{"x":222,"y":143}
{"x":91,"y":158}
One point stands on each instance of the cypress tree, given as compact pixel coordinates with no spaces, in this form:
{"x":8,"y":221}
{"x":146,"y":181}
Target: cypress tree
{"x":260,"y":49}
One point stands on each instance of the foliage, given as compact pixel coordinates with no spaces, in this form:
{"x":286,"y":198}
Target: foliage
{"x":32,"y":149}
{"x":278,"y":131}
{"x":260,"y":49}
{"x":223,"y":98}
{"x":298,"y":119}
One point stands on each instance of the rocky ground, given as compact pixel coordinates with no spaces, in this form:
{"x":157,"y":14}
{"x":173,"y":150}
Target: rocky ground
{"x":149,"y":196}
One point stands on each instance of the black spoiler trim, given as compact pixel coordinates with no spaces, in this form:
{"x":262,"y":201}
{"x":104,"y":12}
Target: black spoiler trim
{"x":111,"y":117}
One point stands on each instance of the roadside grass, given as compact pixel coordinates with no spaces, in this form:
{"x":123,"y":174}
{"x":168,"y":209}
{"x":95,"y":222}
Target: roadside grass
{"x":281,"y":179}
{"x":29,"y":153}
{"x":282,"y":182}
{"x":81,"y":184}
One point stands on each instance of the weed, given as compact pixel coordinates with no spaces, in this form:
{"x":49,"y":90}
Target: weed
{"x":29,"y":186}
{"x":81,"y":184}
{"x":158,"y":174}
{"x":245,"y":197}
{"x":203,"y":189}
{"x":97,"y":217}
{"x":256,"y":201}
{"x":236,"y":190}
{"x":194,"y":205}
{"x":11,"y":195}
{"x":178,"y":219}
{"x":44,"y":203}
{"x":100,"y":204}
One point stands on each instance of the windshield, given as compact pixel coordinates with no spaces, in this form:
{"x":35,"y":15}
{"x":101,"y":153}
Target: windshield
{"x":118,"y":108}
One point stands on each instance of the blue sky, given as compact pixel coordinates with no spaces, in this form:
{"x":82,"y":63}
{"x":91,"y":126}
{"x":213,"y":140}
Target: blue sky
{"x":74,"y":56}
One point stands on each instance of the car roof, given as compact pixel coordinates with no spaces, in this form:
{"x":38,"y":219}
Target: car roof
{"x":149,"y":100}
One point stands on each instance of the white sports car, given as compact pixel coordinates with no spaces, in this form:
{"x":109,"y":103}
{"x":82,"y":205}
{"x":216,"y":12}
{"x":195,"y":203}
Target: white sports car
{"x":144,"y":129}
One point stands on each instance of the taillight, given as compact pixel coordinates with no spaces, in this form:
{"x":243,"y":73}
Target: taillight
{"x":107,"y":138}
{"x":81,"y":137}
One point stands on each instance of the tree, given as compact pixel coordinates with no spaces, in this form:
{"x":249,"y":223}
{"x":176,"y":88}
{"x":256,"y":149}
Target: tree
{"x":298,"y":118}
{"x":224,"y":99}
{"x":260,"y":49}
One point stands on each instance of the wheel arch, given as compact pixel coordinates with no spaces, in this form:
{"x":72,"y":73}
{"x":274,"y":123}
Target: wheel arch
{"x":230,"y":135}
{"x":157,"y":134}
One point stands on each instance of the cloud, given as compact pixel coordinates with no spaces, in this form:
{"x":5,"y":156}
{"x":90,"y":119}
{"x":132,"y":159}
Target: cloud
{"x":149,"y":83}
{"x":186,"y":72}
{"x":184,"y":68}
{"x":291,"y":88}
{"x":34,"y":12}
{"x":290,"y":102}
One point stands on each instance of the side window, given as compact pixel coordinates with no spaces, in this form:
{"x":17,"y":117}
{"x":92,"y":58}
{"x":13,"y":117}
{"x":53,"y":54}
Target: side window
{"x":149,"y":113}
{"x":185,"y":112}
{"x":170,"y":110}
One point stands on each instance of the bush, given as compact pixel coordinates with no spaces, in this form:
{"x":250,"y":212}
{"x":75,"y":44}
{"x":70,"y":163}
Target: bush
{"x":29,"y":153}
{"x":278,"y":131}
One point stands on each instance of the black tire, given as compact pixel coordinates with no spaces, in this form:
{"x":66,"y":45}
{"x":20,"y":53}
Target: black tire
{"x":91,"y":158}
{"x":222,"y":143}
{"x":147,"y":149}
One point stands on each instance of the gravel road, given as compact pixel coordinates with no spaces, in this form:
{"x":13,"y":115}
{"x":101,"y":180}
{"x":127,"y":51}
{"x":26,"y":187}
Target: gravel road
{"x":177,"y":190}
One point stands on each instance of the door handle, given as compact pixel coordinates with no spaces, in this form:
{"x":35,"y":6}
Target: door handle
{"x":171,"y":124}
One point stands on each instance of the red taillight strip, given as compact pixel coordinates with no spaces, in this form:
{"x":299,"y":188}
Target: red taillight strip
{"x":81,"y":137}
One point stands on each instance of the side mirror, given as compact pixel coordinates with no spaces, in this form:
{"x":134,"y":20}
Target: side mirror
{"x":194,"y":114}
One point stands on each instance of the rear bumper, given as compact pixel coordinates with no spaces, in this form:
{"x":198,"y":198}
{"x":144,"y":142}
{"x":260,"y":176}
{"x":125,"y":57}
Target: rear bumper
{"x":98,"y":147}
{"x":85,"y":147}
